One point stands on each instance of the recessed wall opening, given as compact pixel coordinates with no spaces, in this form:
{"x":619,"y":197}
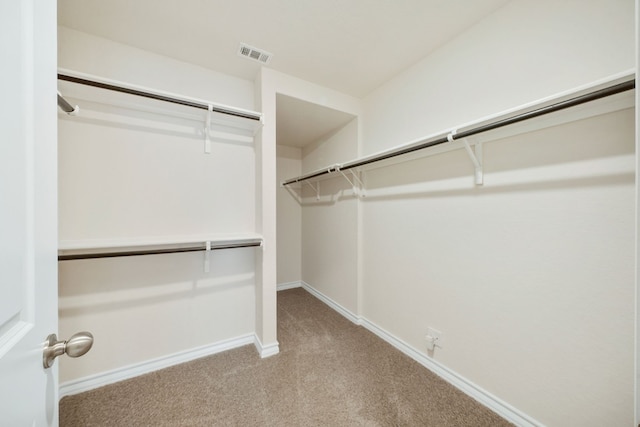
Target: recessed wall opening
{"x":310,"y":136}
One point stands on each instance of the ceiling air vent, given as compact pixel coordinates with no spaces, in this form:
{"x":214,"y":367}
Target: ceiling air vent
{"x":254,"y":53}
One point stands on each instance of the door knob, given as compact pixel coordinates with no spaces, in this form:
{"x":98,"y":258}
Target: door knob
{"x":75,"y":346}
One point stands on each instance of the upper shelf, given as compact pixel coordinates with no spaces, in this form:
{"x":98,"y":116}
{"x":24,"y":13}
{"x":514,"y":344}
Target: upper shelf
{"x":83,"y":86}
{"x":497,"y":123}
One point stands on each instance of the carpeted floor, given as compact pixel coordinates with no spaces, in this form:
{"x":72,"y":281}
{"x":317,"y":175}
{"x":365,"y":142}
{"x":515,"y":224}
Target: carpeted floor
{"x":329,"y":372}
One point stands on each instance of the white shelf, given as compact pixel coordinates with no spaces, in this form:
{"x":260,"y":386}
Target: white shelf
{"x":129,"y":99}
{"x":441,"y":143}
{"x":97,"y":248}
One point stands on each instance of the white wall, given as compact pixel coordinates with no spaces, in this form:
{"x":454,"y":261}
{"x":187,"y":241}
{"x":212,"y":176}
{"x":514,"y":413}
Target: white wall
{"x":289,"y":218}
{"x":145,"y":308}
{"x":119,"y":182}
{"x":531,"y":276}
{"x":330,"y":225}
{"x":126,"y":178}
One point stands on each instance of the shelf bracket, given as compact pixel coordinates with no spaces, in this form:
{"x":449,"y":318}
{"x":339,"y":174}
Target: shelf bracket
{"x":476,"y":158}
{"x":295,"y":195}
{"x":207,"y":130}
{"x":357,"y":184}
{"x":316,"y":188}
{"x":207,"y":256}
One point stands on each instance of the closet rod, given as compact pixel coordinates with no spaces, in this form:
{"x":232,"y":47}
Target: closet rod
{"x":64,"y":105}
{"x":572,"y":102}
{"x":156,"y":96}
{"x":156,"y":251}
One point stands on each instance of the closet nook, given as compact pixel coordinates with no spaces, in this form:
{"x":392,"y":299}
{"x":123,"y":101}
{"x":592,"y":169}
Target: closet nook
{"x":157,"y":225}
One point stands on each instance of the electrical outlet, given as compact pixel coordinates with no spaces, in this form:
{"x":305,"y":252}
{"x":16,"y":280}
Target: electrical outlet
{"x":434,"y":339}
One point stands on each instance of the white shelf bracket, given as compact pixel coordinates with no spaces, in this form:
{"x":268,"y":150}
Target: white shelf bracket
{"x":476,"y":159}
{"x":293,"y":193}
{"x":316,"y":189}
{"x":207,"y":257}
{"x":207,"y":131}
{"x":356,"y":184}
{"x":361,"y":187}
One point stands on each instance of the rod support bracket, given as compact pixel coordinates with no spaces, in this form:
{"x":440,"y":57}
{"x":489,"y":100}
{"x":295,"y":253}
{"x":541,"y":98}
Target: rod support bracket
{"x":476,"y":158}
{"x":316,"y":188}
{"x":356,"y":184}
{"x":207,"y":257}
{"x":207,"y":130}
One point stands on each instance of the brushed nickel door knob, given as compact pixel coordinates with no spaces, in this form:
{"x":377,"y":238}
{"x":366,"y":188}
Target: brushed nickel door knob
{"x":75,"y":346}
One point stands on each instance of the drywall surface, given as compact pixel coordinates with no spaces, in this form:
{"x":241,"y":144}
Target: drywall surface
{"x":129,"y":173}
{"x":289,"y":218}
{"x":330,"y":224}
{"x":118,"y":182}
{"x":531,"y":276}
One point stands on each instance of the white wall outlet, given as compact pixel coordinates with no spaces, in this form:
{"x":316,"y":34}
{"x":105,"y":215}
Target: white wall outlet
{"x":434,"y":339}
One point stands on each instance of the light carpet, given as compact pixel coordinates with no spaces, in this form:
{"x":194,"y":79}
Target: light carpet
{"x":329,"y":372}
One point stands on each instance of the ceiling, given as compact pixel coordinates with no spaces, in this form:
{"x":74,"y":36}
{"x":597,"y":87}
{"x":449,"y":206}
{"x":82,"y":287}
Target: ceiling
{"x":352,"y":46}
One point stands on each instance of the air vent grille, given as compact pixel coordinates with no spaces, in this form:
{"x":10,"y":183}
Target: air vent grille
{"x":255,"y":54}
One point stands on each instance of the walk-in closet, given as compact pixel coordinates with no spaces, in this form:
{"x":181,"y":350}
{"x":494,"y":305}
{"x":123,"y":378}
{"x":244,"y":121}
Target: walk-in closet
{"x":496,"y":211}
{"x":265,"y":193}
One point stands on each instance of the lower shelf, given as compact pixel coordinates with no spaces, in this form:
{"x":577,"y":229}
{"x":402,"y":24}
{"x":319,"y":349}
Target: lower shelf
{"x":74,"y":250}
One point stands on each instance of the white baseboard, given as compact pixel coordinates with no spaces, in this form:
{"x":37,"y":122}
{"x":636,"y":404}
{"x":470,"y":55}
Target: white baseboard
{"x":268,"y":350}
{"x":492,"y":402}
{"x":289,"y":285}
{"x":109,"y":377}
{"x":328,"y":301}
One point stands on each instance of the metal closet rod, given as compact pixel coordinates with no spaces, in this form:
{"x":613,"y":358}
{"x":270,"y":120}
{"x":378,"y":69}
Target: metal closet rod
{"x":64,"y":104}
{"x":572,"y":102}
{"x":157,"y":97}
{"x":156,"y":251}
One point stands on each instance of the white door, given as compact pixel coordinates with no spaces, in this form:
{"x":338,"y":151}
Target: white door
{"x":28,"y":211}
